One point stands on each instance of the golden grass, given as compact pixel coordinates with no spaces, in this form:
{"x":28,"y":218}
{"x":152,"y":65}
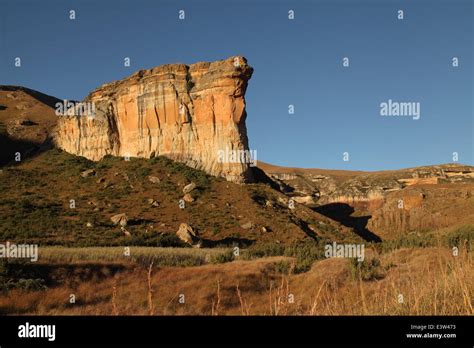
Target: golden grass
{"x":427,"y":281}
{"x":143,"y":255}
{"x":431,"y":281}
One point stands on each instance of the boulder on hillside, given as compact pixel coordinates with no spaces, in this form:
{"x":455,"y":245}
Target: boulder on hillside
{"x":120,"y":219}
{"x":125,"y":232}
{"x":154,"y":179}
{"x":188,"y":198}
{"x":247,"y":225}
{"x":87,"y":173}
{"x":187,"y":234}
{"x":188,"y":188}
{"x":153,"y":202}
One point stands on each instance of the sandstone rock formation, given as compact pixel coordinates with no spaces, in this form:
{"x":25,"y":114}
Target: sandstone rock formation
{"x":423,"y":208}
{"x":188,"y":188}
{"x":188,"y":235}
{"x":120,"y":219}
{"x":186,"y":113}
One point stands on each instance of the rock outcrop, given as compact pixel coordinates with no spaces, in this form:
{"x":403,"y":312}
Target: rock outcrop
{"x":422,"y":208}
{"x":120,"y":219}
{"x":187,"y":234}
{"x":192,"y":114}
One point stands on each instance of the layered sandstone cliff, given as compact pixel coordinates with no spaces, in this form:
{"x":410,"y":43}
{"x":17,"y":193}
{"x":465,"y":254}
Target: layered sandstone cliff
{"x":193,"y":114}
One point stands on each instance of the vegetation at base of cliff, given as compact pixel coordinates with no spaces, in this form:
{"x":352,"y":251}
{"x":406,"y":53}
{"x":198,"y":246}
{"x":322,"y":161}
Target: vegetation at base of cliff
{"x":366,"y":270}
{"x":305,"y":253}
{"x":227,"y":256}
{"x":36,"y":197}
{"x":60,"y":199}
{"x":12,"y":277}
{"x":462,"y":237}
{"x":28,"y":215}
{"x":283,"y":267}
{"x":200,"y":177}
{"x":144,"y":256}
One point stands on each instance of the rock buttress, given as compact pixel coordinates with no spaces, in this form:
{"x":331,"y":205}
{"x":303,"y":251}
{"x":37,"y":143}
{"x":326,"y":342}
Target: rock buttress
{"x":186,"y":113}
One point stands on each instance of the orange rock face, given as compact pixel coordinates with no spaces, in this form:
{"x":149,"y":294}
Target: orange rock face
{"x":187,"y":113}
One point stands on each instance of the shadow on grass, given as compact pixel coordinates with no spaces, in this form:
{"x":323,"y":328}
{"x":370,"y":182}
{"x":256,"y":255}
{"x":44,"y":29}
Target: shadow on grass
{"x":342,"y":213}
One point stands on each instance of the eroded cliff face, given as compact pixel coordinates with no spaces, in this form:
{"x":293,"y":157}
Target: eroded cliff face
{"x":192,"y":114}
{"x":421,"y":208}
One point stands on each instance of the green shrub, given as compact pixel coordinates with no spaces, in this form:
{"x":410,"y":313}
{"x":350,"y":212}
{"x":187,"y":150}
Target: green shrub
{"x":142,"y":172}
{"x":460,"y":238}
{"x":140,"y":238}
{"x":305,"y":253}
{"x":31,"y":284}
{"x":10,"y":278}
{"x":407,"y":241}
{"x":282,"y":267}
{"x":201,"y":179}
{"x":227,"y":256}
{"x":303,"y":265}
{"x":366,"y":270}
{"x":263,"y":250}
{"x":260,"y":197}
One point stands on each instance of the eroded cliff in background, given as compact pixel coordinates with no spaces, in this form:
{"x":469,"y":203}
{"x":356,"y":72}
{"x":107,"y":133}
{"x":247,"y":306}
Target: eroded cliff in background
{"x":186,"y":113}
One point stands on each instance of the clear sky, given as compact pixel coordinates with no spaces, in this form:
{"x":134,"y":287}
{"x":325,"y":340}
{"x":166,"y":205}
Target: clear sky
{"x":298,"y":62}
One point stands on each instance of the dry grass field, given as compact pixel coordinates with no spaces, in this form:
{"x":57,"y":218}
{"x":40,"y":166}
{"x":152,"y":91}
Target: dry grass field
{"x":406,"y":281}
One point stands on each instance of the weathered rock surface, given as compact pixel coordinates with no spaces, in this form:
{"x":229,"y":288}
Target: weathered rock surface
{"x":422,"y":208}
{"x":188,"y":188}
{"x":186,"y":113}
{"x":153,"y":202}
{"x":154,"y":179}
{"x":188,"y":198}
{"x":187,"y":234}
{"x":120,"y":219}
{"x":248,"y":225}
{"x":87,"y":173}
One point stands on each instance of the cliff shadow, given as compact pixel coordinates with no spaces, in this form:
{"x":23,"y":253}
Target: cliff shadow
{"x":55,"y":274}
{"x":342,"y":213}
{"x":228,"y":242}
{"x":261,"y":177}
{"x":10,"y":146}
{"x":305,"y":227}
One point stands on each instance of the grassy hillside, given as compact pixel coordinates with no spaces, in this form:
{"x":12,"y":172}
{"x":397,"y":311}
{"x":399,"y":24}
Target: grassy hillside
{"x":45,"y":200}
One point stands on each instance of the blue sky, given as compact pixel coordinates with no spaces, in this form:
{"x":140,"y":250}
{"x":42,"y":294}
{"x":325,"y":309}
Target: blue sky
{"x":296,"y":62}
